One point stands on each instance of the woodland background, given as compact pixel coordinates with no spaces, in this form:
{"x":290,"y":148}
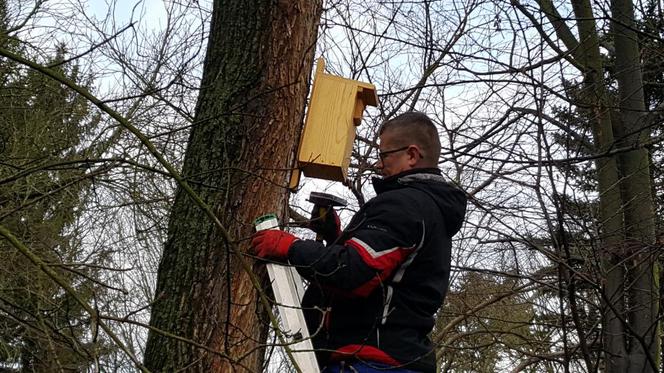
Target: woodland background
{"x":139,"y":140}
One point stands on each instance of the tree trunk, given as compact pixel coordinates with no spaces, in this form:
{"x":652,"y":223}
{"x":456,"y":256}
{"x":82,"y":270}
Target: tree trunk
{"x":638,"y":204}
{"x":626,"y":207}
{"x":240,"y":149}
{"x":596,"y":100}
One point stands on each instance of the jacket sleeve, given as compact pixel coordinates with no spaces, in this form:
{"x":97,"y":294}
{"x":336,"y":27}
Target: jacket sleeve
{"x":382,"y":239}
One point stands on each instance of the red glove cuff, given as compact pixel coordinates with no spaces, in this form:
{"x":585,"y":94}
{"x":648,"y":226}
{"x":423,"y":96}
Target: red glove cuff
{"x":272,"y":243}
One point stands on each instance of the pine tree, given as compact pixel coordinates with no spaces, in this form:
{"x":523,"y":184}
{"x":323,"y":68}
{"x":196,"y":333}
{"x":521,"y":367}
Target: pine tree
{"x":42,"y":125}
{"x":248,"y":115}
{"x":582,"y":176}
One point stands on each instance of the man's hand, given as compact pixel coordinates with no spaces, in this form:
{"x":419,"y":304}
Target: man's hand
{"x":326,"y":223}
{"x":272,"y":244}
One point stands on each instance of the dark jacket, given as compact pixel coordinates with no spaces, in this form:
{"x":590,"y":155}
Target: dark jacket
{"x":375,"y":290}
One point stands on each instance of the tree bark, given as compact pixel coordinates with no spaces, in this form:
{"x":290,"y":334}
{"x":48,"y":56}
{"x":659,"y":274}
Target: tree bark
{"x":247,"y":122}
{"x":626,"y":207}
{"x":638,"y":204}
{"x":611,"y":217}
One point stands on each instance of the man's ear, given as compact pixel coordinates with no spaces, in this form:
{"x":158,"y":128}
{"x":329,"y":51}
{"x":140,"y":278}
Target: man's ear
{"x":414,"y":155}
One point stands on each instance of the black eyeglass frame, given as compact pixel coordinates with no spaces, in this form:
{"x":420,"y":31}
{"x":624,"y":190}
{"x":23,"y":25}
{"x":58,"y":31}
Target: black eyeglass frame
{"x":382,"y":155}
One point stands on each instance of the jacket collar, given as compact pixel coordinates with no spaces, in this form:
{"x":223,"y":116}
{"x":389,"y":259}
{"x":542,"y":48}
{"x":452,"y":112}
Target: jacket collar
{"x":396,"y":181}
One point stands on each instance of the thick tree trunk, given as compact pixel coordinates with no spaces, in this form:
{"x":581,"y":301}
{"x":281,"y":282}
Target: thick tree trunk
{"x":638,"y":204}
{"x":626,"y":207}
{"x":610,"y":202}
{"x":248,"y":118}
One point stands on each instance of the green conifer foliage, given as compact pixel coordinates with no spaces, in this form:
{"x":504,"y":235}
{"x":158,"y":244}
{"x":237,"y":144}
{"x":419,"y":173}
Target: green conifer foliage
{"x":42,"y":124}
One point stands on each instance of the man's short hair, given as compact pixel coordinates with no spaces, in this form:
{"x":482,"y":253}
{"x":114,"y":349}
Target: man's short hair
{"x":415,"y":128}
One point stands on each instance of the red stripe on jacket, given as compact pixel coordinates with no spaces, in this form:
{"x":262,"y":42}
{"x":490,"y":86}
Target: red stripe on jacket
{"x":385,"y":262}
{"x":363,"y":353}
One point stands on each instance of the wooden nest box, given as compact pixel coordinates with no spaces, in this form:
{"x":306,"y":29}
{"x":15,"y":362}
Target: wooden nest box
{"x":335,"y":109}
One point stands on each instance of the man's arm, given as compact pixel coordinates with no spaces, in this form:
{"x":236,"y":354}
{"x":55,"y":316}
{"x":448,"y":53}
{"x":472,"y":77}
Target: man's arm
{"x":391,"y":230}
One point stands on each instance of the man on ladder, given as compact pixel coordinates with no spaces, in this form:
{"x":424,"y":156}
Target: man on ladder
{"x":376,"y":286}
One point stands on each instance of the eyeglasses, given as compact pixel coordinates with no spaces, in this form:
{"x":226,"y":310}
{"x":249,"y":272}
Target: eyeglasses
{"x":382,"y":155}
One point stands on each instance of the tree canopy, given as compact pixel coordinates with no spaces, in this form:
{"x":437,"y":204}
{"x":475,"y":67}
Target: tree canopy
{"x":550,"y":119}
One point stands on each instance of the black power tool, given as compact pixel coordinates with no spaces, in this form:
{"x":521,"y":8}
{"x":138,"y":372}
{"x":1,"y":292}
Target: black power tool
{"x":323,"y":202}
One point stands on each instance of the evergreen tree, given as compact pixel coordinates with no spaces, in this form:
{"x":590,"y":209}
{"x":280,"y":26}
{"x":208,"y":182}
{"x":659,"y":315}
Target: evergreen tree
{"x":581,"y":215}
{"x":42,"y":125}
{"x":248,"y":115}
{"x":483,"y":321}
